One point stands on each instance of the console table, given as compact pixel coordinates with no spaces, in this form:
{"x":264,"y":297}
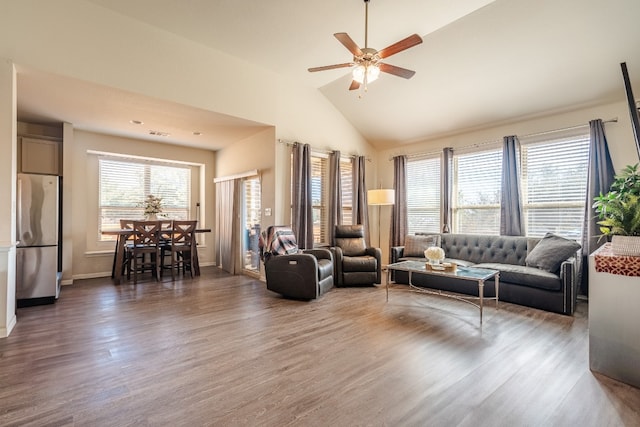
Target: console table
{"x":614,"y":317}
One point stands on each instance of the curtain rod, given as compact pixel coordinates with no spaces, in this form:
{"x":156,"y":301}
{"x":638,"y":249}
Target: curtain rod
{"x":293,"y":143}
{"x":613,"y":120}
{"x":253,"y":172}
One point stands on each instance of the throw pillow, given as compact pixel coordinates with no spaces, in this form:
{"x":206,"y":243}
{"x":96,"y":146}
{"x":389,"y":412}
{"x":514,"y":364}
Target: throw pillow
{"x":414,"y":246}
{"x":550,"y":252}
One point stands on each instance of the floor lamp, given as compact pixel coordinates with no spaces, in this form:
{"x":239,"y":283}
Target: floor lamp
{"x":380,"y":197}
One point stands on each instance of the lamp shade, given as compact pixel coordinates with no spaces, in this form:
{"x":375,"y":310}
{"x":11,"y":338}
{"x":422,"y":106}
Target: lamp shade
{"x":381,"y":197}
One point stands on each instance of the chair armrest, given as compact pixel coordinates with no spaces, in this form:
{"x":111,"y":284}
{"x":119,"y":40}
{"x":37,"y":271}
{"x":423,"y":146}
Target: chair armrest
{"x":377,"y":254}
{"x":338,"y":257}
{"x":295,"y":276}
{"x":396,"y":253}
{"x":320,"y":253}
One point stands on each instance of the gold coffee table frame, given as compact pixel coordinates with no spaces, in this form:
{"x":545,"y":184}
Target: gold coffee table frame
{"x":479,"y":275}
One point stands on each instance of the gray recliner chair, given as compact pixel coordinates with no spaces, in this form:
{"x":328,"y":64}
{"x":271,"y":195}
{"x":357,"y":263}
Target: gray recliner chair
{"x":292,"y":273}
{"x":355,"y":263}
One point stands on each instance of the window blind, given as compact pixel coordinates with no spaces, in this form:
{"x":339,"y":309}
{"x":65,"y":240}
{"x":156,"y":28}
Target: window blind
{"x":423,"y":195}
{"x":346,"y":182}
{"x":476,"y":200}
{"x":555,"y":185}
{"x":319,"y":175}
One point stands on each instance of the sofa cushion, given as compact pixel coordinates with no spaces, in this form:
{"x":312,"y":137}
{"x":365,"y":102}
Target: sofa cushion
{"x":415,"y":245}
{"x":550,"y":252}
{"x":525,"y":276}
{"x":351,"y":247}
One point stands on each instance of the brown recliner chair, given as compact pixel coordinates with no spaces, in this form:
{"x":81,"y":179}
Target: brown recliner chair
{"x":292,"y":273}
{"x":355,"y":263}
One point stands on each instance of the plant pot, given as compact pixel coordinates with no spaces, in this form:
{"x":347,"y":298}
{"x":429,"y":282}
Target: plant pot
{"x":625,"y":245}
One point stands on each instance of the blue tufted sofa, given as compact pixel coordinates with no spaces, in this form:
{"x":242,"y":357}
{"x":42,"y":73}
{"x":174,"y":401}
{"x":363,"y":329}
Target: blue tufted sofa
{"x":519,"y":283}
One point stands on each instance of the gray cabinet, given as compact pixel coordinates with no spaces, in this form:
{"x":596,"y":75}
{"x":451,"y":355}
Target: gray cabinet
{"x":40,"y":156}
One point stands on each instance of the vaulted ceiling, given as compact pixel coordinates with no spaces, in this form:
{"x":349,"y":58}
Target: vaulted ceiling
{"x":482,"y":62}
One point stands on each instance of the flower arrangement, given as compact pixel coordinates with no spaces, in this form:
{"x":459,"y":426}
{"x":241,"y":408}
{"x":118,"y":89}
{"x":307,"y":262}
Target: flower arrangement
{"x":434,"y":254}
{"x":152,"y":205}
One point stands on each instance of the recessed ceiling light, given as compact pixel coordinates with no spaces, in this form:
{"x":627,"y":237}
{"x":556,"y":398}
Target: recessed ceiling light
{"x":136,"y":122}
{"x":196,"y":133}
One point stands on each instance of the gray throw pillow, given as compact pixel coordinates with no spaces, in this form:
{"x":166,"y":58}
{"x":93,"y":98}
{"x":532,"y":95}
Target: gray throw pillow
{"x":550,"y":252}
{"x":414,"y":246}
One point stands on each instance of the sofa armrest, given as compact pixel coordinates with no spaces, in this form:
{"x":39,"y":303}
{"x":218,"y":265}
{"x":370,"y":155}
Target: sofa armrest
{"x":570,"y":275}
{"x":396,"y":253}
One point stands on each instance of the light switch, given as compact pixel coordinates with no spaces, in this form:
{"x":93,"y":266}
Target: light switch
{"x":267,"y":211}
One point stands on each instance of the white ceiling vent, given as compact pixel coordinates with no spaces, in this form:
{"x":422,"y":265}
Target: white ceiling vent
{"x":158,"y":133}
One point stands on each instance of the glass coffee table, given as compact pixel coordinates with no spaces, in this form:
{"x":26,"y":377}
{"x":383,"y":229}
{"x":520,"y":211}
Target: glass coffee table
{"x":479,"y":275}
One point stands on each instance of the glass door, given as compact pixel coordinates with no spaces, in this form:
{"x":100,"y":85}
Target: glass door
{"x":251,"y":224}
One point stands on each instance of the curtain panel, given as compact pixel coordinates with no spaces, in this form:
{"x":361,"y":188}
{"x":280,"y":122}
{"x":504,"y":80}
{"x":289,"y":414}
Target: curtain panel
{"x":601,"y":175}
{"x":447,"y":189}
{"x":399,"y":216}
{"x":302,"y":207}
{"x":360,"y":211}
{"x":511,"y":214}
{"x":335,"y":195}
{"x":227,"y":237}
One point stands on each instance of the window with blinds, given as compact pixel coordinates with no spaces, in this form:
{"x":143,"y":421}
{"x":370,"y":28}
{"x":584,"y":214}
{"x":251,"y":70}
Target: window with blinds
{"x":476,"y":192}
{"x":125,"y":183}
{"x":319,"y":184}
{"x":554,"y":184}
{"x":423,"y":195}
{"x":346,"y":183}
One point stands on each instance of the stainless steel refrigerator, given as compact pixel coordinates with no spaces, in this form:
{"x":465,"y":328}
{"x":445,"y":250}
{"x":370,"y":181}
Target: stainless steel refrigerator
{"x":37,"y":281}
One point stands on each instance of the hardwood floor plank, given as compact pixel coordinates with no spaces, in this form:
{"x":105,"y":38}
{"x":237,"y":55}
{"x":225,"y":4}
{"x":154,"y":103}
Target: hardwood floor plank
{"x":222,"y":350}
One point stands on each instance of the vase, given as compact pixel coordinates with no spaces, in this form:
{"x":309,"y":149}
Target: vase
{"x":625,"y":245}
{"x":152,"y":217}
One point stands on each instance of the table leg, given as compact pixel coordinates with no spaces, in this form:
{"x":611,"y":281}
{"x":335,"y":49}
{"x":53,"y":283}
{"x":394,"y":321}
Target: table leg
{"x":497,"y":288}
{"x":196,"y":262}
{"x":481,"y":296}
{"x":387,"y":283}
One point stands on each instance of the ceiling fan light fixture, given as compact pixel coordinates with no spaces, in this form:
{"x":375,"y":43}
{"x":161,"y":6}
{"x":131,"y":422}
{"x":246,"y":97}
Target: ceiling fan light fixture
{"x":371,"y":72}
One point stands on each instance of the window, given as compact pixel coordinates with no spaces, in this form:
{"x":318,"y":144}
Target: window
{"x":319,"y":184}
{"x":423,"y":195}
{"x":251,"y":222}
{"x":346,"y":183}
{"x":125,"y":183}
{"x":554,"y":184}
{"x":476,"y":192}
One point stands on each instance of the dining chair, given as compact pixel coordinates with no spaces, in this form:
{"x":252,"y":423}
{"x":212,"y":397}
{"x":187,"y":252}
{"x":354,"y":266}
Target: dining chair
{"x":146,"y":240}
{"x":125,"y":224}
{"x":182,"y":246}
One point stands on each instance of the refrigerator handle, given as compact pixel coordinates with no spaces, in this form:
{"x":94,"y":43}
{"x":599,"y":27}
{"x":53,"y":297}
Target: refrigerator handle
{"x":19,"y":207}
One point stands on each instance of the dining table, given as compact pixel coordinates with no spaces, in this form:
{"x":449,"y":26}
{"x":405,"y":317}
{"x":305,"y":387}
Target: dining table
{"x":124,"y":234}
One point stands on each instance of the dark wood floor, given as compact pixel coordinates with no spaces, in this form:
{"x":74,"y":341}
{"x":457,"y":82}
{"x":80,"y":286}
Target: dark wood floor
{"x":222,"y":350}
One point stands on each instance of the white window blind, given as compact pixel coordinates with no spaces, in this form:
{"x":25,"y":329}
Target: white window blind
{"x":554,"y":185}
{"x":346,"y":182}
{"x":423,"y":195}
{"x":319,"y":175}
{"x":252,"y":218}
{"x":476,"y":200}
{"x":125,"y":183}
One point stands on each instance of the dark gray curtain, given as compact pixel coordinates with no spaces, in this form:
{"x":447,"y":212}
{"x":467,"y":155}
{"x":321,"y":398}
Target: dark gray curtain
{"x":302,"y":213}
{"x":511,"y":215}
{"x":399,"y":211}
{"x":447,"y":179}
{"x":227,"y":236}
{"x":601,"y":175}
{"x":335,"y":195}
{"x":360,"y":211}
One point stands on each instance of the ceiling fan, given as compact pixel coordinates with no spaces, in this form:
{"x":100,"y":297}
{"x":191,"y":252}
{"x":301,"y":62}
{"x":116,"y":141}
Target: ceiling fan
{"x":367,"y":60}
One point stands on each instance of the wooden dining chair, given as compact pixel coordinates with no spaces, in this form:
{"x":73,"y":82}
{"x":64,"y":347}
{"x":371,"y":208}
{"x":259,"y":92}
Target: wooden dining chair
{"x":146,"y":241}
{"x":182,"y":246}
{"x":125,"y":224}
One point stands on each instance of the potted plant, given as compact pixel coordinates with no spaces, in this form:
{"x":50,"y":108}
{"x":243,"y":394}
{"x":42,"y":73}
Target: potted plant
{"x":619,"y":212}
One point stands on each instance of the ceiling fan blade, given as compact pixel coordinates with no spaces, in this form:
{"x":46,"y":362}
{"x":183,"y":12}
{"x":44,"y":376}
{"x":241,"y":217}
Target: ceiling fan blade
{"x":354,"y":85}
{"x":396,"y":71}
{"x":331,"y":67}
{"x":348,"y":43}
{"x":403,"y":44}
